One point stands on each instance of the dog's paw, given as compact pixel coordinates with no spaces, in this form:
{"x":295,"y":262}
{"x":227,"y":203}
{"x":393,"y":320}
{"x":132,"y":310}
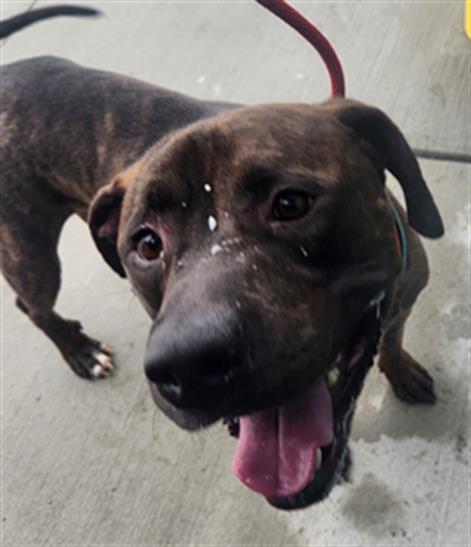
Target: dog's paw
{"x":91,"y":360}
{"x":413,"y":384}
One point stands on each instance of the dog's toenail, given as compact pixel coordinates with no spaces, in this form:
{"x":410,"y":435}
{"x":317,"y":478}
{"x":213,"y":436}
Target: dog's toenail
{"x":97,"y":371}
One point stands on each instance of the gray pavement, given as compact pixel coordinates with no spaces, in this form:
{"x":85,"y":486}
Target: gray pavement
{"x":96,"y":463}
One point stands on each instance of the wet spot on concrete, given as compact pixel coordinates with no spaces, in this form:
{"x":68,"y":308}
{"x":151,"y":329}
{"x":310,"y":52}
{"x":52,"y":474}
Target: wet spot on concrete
{"x":372,"y":507}
{"x":438,"y":91}
{"x":456,"y":322}
{"x":458,"y":228}
{"x":398,"y":420}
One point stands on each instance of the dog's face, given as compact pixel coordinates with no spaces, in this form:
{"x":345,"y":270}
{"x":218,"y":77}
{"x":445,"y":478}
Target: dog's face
{"x":262,"y":245}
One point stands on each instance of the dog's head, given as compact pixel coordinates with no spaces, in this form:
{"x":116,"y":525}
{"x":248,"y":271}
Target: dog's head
{"x":262,"y":244}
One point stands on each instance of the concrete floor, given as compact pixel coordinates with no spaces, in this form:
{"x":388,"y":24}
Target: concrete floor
{"x":96,"y":463}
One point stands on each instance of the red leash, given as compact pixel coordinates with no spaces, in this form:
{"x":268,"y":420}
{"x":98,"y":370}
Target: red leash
{"x":320,"y":43}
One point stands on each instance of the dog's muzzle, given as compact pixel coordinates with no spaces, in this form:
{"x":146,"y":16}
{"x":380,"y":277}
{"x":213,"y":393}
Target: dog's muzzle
{"x":192,"y":362}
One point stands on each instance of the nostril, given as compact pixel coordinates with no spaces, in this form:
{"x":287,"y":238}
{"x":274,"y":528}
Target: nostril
{"x":172,"y":391}
{"x":218,"y":365}
{"x":169,"y":386}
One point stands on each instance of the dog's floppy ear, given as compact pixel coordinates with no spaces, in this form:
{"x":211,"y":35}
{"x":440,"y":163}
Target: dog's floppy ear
{"x":104,"y":217}
{"x":393,"y":152}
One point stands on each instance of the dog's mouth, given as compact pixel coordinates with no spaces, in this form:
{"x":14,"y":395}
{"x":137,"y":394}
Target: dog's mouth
{"x":295,"y":453}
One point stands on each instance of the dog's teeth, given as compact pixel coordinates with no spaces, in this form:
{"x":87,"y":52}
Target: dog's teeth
{"x":318,"y":459}
{"x":333,"y":376}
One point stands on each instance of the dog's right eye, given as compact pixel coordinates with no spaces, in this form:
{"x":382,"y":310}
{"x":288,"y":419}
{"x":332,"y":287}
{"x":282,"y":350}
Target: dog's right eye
{"x":148,"y":245}
{"x":291,"y":205}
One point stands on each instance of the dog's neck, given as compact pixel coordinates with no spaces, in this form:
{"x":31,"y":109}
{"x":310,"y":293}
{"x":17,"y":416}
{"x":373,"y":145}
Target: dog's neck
{"x":399,"y":235}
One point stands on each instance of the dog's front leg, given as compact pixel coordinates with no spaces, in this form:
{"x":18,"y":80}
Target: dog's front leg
{"x":410,"y":381}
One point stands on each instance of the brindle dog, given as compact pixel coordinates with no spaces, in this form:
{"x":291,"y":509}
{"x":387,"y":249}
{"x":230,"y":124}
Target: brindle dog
{"x":261,"y":241}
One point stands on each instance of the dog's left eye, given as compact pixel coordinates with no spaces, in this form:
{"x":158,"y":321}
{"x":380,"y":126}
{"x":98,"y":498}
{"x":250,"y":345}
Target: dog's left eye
{"x":291,"y":205}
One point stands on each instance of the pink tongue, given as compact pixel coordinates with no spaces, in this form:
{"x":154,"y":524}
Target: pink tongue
{"x":276,"y":450}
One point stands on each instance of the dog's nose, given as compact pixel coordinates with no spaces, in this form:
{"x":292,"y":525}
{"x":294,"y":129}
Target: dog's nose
{"x":192,"y":362}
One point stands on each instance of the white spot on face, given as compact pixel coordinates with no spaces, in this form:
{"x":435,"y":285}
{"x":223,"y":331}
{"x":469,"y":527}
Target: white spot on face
{"x":184,"y":204}
{"x":240,"y":258}
{"x":254,"y":267}
{"x":207,"y":187}
{"x":201,"y":79}
{"x":215,"y":249}
{"x":212,"y":223}
{"x":231,"y":241}
{"x":303,"y":250}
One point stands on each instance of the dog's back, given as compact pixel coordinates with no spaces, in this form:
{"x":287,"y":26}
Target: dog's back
{"x":84,"y":124}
